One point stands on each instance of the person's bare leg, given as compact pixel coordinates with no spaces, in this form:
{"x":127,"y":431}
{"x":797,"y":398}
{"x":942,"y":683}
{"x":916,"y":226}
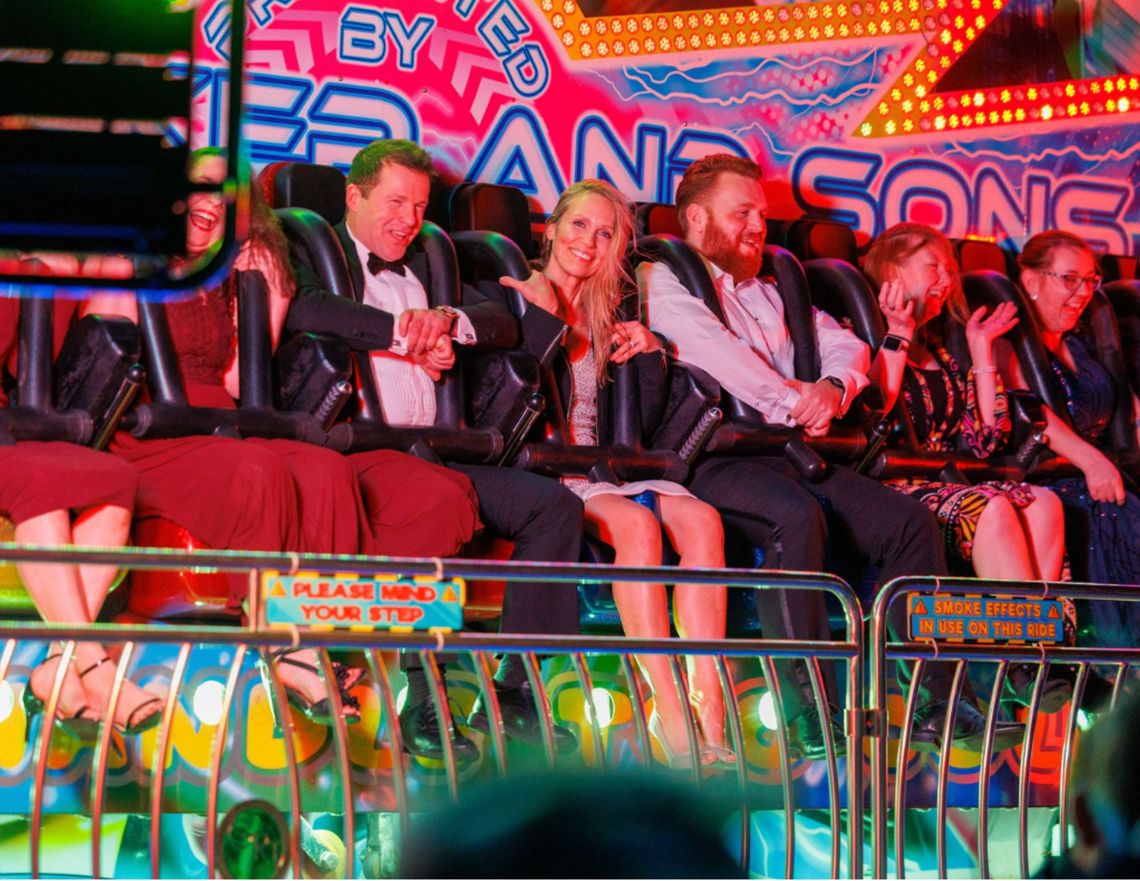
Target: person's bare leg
{"x":695,"y":531}
{"x":1000,"y":549}
{"x":635,"y":535}
{"x":1044,"y":524}
{"x":58,"y":594}
{"x":105,"y":526}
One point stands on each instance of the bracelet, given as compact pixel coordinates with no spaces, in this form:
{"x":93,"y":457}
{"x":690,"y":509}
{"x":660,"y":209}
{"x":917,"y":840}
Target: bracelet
{"x":978,"y":370}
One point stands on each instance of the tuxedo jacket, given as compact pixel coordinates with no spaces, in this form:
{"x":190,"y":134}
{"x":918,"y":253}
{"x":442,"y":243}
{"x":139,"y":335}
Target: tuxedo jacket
{"x":365,"y":328}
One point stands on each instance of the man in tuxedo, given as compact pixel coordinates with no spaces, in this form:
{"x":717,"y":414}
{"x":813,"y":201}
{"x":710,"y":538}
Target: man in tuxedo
{"x":410,"y":347}
{"x":764,"y":500}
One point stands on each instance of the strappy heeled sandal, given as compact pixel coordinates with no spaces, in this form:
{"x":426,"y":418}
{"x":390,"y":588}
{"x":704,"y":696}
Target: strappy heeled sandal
{"x":134,"y":723}
{"x":318,"y":711}
{"x":77,"y":723}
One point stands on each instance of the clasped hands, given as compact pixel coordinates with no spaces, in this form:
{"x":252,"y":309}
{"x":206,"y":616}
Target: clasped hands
{"x":427,"y":340}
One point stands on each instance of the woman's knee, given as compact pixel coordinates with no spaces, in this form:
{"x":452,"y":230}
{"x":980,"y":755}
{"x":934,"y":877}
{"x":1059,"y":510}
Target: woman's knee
{"x":999,"y":520}
{"x":698,"y":534}
{"x":634,"y":533}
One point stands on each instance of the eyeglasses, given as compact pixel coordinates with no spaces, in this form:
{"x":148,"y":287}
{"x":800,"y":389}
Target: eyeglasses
{"x":1072,"y":282}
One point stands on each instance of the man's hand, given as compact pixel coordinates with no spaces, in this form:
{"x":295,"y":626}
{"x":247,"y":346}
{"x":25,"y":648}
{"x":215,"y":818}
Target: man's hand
{"x":422,"y":328}
{"x":818,"y":404}
{"x":438,"y":360}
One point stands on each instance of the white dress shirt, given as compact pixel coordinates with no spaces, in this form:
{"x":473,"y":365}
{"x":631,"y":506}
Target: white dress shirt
{"x":407,"y":393}
{"x":753,"y":355}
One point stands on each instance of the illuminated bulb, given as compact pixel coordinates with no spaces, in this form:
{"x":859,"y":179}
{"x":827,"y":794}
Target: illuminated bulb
{"x":208,"y":700}
{"x":766,"y":711}
{"x":601,"y":704}
{"x":7,"y":700}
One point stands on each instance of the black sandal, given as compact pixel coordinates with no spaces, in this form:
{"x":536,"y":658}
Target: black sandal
{"x":130,"y":727}
{"x":318,"y":711}
{"x":82,"y":726}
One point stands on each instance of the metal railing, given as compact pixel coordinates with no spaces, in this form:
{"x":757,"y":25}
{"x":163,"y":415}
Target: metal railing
{"x":577,"y":651}
{"x":883,"y":650}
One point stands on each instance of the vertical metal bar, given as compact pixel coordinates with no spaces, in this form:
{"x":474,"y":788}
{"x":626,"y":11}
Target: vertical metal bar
{"x":340,"y":742}
{"x":395,"y":736}
{"x":99,"y":768}
{"x":984,"y":772}
{"x":6,"y":659}
{"x":586,"y":683}
{"x":158,"y":774}
{"x":217,"y":752}
{"x":732,"y":705}
{"x":438,"y":691}
{"x":785,"y":766}
{"x":495,"y":731}
{"x":944,"y":759}
{"x":637,"y":705}
{"x":285,"y":717}
{"x":541,"y":704}
{"x":1023,"y":772}
{"x":690,"y":719}
{"x":44,"y":744}
{"x":880,"y":770}
{"x":824,"y":709}
{"x":1067,"y":751}
{"x":1118,"y":686}
{"x":900,"y":766}
{"x":855,"y":730}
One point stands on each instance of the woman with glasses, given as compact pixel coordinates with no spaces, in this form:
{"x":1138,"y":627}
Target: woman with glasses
{"x":1059,"y":275}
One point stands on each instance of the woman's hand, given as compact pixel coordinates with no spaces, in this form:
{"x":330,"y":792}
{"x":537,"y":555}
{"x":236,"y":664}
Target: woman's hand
{"x":632,"y":338}
{"x":1103,"y":479}
{"x":982,"y":330}
{"x":897,"y":309}
{"x":437,"y":360}
{"x":536,"y":290}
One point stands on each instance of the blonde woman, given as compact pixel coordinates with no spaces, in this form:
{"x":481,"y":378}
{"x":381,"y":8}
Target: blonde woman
{"x":579,"y":279}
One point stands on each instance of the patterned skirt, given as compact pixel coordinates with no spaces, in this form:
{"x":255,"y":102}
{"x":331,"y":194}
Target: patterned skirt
{"x":958,"y":506}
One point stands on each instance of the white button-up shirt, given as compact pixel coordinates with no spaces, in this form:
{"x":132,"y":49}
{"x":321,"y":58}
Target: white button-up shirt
{"x":407,"y":393}
{"x":754,"y":354}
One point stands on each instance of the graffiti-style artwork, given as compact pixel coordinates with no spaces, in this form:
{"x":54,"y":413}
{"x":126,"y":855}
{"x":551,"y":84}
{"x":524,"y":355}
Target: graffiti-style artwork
{"x":995,"y":119}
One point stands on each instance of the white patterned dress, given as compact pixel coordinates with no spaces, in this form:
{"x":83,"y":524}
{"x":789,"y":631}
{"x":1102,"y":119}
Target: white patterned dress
{"x":583,"y":427}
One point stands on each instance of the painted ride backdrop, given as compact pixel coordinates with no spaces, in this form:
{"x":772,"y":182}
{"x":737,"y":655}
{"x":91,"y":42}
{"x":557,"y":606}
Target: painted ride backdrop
{"x":988,"y":117}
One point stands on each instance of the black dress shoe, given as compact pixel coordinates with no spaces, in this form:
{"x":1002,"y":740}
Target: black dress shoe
{"x":520,"y":718}
{"x":806,"y":734}
{"x":420,"y":727}
{"x":969,"y":728}
{"x":1055,"y":693}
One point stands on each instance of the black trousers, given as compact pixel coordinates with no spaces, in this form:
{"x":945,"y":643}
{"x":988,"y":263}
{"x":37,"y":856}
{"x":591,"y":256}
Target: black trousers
{"x":767,"y":503}
{"x":544,"y":520}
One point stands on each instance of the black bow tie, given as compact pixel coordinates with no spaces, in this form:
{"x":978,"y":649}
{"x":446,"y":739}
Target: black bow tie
{"x":376,"y":265}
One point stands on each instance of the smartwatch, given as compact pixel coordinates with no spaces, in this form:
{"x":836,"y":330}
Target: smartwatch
{"x":895,"y":343}
{"x":838,"y":383}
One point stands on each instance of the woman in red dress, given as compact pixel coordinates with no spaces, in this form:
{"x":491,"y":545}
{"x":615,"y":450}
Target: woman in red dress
{"x":57,"y":493}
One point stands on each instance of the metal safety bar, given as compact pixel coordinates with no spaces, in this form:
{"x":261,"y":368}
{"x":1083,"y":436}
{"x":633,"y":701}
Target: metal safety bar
{"x":265,"y":643}
{"x":922,"y":653}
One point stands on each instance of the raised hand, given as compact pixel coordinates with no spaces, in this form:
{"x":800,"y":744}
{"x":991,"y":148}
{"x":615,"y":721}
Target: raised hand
{"x":632,"y":338}
{"x":983,"y":329}
{"x":897,"y":309}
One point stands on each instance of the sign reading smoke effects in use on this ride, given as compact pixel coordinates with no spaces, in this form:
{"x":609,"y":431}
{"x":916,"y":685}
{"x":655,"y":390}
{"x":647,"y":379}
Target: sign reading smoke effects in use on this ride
{"x":387,"y":602}
{"x":985,"y":618}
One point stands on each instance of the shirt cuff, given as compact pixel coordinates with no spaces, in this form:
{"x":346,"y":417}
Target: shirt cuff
{"x":399,"y":344}
{"x":780,"y":413}
{"x":464,"y":331}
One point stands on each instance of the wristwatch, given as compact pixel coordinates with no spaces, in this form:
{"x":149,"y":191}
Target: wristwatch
{"x":894,"y":343}
{"x":452,"y":317}
{"x":838,"y":383}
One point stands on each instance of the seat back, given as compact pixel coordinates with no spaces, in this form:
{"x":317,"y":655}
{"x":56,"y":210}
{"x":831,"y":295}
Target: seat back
{"x":810,"y":239}
{"x":319,"y":188}
{"x":1124,"y":294}
{"x":976,"y":254}
{"x":1118,"y":267}
{"x":504,"y":209}
{"x":656,"y":218}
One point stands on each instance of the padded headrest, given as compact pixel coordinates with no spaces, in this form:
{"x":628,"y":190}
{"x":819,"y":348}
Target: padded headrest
{"x":494,"y":207}
{"x":843,"y":291}
{"x":974,"y":254}
{"x":1125,"y":298}
{"x":319,"y":188}
{"x":656,"y":218}
{"x":811,"y":239}
{"x":311,"y":236}
{"x":1116,"y":267}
